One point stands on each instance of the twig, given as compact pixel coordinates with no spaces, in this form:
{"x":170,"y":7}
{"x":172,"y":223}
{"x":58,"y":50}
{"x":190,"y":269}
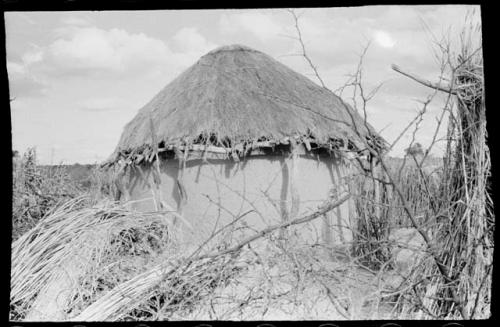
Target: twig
{"x":304,"y":53}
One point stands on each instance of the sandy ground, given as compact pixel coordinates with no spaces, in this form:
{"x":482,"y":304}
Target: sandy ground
{"x":305,"y":286}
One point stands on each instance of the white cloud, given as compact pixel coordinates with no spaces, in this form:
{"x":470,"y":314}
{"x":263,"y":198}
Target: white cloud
{"x":22,"y":82}
{"x":15,"y":68}
{"x":261,"y":25}
{"x":101,"y":104}
{"x":384,"y":39}
{"x":75,"y":20}
{"x":91,"y":49}
{"x":115,"y":53}
{"x":188,"y":39}
{"x":88,"y":52}
{"x":32,"y":57}
{"x":189,"y":46}
{"x":81,"y":54}
{"x":395,"y":17}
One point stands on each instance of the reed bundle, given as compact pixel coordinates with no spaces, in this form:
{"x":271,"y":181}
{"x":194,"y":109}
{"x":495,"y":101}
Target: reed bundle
{"x":464,"y":235}
{"x":467,"y":235}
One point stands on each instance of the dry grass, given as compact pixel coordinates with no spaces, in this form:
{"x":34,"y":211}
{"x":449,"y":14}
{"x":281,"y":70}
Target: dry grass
{"x":96,"y":246}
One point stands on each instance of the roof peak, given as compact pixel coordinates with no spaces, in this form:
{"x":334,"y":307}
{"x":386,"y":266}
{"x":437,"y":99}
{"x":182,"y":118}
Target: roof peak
{"x":231,"y":47}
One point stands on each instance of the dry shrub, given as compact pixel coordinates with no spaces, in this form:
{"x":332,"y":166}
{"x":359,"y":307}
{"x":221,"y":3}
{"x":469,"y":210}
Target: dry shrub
{"x":36,"y":190}
{"x":380,"y":211}
{"x":101,"y":184}
{"x":373,"y":222}
{"x":420,"y":187}
{"x":98,"y":246}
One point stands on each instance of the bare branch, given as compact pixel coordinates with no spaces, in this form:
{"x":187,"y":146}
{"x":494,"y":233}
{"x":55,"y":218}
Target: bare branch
{"x":318,"y":213}
{"x":304,"y":53}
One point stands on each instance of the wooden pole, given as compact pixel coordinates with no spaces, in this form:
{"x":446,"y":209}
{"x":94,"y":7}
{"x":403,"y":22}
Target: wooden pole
{"x":293,"y":175}
{"x":425,"y":82}
{"x":376,"y":189}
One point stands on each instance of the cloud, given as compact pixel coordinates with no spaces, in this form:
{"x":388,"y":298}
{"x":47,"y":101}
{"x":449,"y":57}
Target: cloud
{"x":383,"y":39}
{"x":263,"y":26}
{"x":440,"y":18}
{"x":101,"y":104}
{"x":92,"y":50}
{"x":189,"y":45}
{"x":188,"y":39}
{"x":87,"y":52}
{"x":23,"y":83}
{"x":32,"y":57}
{"x":396,"y":31}
{"x":75,"y":21}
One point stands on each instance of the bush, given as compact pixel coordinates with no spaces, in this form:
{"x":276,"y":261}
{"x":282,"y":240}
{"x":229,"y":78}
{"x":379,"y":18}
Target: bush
{"x":36,"y":190}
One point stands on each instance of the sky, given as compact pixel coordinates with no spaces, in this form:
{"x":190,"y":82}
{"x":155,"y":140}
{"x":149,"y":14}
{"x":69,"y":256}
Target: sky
{"x":76,"y":78}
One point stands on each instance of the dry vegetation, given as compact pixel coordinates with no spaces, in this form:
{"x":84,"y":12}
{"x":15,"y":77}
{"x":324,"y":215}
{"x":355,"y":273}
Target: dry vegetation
{"x":36,"y":191}
{"x":111,"y":263}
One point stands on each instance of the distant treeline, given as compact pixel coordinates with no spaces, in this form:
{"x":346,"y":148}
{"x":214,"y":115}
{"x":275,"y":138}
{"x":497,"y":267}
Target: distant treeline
{"x":76,"y":172}
{"x":81,"y":173}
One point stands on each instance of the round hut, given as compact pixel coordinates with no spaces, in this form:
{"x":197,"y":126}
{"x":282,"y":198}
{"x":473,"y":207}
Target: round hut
{"x":240,"y":141}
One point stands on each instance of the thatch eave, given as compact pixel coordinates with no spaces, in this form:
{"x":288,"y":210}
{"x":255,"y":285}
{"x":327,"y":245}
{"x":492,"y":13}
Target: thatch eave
{"x":342,"y":148}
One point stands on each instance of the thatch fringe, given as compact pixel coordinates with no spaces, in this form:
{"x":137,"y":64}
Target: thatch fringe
{"x":145,"y":154}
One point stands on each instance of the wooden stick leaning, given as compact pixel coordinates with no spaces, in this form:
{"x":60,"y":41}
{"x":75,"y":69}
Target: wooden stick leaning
{"x":423,"y":81}
{"x":318,"y":213}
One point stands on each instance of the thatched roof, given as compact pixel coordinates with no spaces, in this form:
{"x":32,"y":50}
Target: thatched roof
{"x":237,"y":95}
